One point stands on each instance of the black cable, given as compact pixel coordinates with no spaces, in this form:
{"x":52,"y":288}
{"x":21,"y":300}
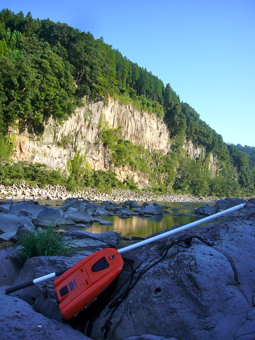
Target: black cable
{"x":184,"y":243}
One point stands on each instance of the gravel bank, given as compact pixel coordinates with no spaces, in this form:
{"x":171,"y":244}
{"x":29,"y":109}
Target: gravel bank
{"x":23,"y":192}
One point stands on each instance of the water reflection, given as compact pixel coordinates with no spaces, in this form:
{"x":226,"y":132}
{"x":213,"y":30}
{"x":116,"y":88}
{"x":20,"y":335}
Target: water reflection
{"x":143,"y":227}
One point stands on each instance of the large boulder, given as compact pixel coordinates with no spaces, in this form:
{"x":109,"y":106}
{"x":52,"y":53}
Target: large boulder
{"x":4,"y":209}
{"x":222,"y":204}
{"x":124,"y":213}
{"x":10,"y":266}
{"x":19,"y":321}
{"x":78,"y":217}
{"x":42,"y":296}
{"x":111,"y":238}
{"x":203,"y":288}
{"x":31,"y":206}
{"x":228,"y":203}
{"x":206,"y":210}
{"x":74,"y":203}
{"x":131,"y":204}
{"x":9,"y":225}
{"x":50,"y":214}
{"x":151,"y":209}
{"x":96,"y":209}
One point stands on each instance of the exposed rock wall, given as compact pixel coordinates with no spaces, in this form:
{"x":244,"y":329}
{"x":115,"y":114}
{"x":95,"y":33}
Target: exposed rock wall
{"x":199,"y":152}
{"x":81,"y":131}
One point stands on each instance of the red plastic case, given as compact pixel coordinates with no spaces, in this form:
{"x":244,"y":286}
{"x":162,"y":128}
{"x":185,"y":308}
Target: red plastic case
{"x":82,"y":283}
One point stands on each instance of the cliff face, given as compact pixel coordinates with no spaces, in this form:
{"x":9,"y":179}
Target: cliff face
{"x":81,"y":131}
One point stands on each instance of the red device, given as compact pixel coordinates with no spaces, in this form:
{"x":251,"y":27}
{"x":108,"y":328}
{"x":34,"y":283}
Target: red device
{"x":82,"y":283}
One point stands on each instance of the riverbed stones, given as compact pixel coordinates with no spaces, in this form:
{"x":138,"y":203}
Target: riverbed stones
{"x":151,"y":209}
{"x":202,"y":289}
{"x":78,"y":217}
{"x":9,"y":225}
{"x":206,"y":210}
{"x":124,"y":213}
{"x":31,"y":206}
{"x":111,"y":238}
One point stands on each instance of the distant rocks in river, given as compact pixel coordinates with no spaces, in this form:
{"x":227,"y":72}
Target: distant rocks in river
{"x":207,"y":210}
{"x":79,"y":213}
{"x":27,"y":216}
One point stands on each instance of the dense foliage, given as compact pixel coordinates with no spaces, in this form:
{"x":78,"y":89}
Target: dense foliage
{"x":47,"y":68}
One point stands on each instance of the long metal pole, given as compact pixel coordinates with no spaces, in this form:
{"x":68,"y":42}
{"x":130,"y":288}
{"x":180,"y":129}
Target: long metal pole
{"x":178,"y":230}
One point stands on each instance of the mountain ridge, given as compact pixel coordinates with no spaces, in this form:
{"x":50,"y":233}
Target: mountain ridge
{"x":48,"y":69}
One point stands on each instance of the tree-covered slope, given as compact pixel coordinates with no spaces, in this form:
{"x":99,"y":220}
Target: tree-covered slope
{"x":47,"y":68}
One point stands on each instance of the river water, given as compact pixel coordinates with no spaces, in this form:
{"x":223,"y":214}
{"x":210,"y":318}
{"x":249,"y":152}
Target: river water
{"x":139,"y":226}
{"x":143,"y":227}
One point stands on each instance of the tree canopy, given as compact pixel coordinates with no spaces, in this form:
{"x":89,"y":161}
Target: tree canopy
{"x":47,"y":68}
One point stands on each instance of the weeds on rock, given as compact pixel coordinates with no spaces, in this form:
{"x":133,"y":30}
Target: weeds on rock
{"x":45,"y":243}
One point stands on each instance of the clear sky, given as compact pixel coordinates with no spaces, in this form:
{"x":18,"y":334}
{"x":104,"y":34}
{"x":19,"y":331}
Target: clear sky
{"x":205,"y":49}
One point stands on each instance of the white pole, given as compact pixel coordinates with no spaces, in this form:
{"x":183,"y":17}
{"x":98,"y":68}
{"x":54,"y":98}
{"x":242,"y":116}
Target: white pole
{"x":45,"y":277}
{"x":177,"y":230}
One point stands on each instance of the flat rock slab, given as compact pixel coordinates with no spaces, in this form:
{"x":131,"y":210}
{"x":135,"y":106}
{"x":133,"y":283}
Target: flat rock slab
{"x":19,"y":321}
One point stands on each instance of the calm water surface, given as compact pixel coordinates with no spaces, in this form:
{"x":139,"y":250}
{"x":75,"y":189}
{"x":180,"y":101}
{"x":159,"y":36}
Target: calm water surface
{"x":143,"y":227}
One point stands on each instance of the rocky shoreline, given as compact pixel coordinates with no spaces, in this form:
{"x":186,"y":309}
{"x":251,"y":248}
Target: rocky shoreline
{"x":23,"y":192}
{"x":202,"y":288}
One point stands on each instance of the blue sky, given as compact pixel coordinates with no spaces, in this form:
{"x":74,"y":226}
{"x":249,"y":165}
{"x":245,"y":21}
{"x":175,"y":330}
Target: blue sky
{"x":205,"y":49}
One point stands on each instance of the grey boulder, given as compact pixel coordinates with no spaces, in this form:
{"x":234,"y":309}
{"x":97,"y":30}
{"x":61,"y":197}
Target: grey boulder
{"x":206,"y":210}
{"x":10,"y":266}
{"x":50,"y":213}
{"x":110,"y":238}
{"x":78,"y":217}
{"x":19,"y":321}
{"x":151,"y":209}
{"x":9,"y":225}
{"x":199,"y":292}
{"x":33,"y":207}
{"x":124,"y":213}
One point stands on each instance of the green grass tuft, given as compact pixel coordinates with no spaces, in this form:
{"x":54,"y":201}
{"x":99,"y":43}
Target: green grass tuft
{"x":47,"y":243}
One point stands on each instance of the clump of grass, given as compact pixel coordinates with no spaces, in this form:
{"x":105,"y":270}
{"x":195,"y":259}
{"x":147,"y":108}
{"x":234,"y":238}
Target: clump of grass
{"x":47,"y":243}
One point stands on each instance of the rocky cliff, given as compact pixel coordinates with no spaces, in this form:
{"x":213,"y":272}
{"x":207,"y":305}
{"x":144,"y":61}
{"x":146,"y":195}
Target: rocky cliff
{"x":59,"y":142}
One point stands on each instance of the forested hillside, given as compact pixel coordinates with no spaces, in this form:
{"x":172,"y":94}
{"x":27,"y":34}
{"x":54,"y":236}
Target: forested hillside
{"x":47,"y":69}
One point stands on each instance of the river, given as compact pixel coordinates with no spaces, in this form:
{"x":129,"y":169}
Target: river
{"x":138,"y":226}
{"x":143,"y":227}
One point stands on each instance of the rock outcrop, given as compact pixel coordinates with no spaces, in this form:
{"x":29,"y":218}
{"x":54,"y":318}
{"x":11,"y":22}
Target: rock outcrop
{"x":19,"y":321}
{"x":199,"y":284}
{"x":81,"y":132}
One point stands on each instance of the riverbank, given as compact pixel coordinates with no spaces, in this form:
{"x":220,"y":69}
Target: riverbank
{"x":210,"y":269}
{"x":23,"y":192}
